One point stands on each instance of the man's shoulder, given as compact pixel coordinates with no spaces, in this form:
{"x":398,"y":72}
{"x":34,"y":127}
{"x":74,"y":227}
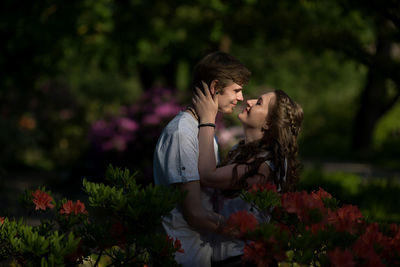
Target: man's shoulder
{"x":183,"y":122}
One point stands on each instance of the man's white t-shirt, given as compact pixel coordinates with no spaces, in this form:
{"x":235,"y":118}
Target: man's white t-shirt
{"x":176,"y":161}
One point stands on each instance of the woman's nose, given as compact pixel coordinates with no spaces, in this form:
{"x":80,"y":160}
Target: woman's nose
{"x":250,"y":102}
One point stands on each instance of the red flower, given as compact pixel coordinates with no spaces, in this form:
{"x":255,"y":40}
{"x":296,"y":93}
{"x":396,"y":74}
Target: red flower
{"x":340,"y":258}
{"x":69,"y":207}
{"x":292,"y":202}
{"x":118,"y":231}
{"x":314,"y":228}
{"x":79,"y":208}
{"x":287,"y":229}
{"x":2,"y":220}
{"x":256,"y":252}
{"x":301,"y":203}
{"x":263,"y":187}
{"x":365,"y":245}
{"x":346,"y":218}
{"x":176,"y":244}
{"x":242,"y":220}
{"x":321,"y":194}
{"x":42,"y":200}
{"x":395,"y":240}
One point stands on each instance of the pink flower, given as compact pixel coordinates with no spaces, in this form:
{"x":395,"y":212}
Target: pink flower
{"x":128,"y":124}
{"x":42,"y":200}
{"x":228,"y":136}
{"x":117,"y":142}
{"x":99,"y":125}
{"x":167,"y":109}
{"x":151,"y":119}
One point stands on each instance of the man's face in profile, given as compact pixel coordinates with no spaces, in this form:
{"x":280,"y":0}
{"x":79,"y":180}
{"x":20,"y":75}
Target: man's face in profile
{"x":229,"y":97}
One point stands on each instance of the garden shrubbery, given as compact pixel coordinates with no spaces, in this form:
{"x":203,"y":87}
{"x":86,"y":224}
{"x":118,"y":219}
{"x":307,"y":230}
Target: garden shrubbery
{"x":311,"y":229}
{"x":129,"y":137}
{"x":121,"y":226}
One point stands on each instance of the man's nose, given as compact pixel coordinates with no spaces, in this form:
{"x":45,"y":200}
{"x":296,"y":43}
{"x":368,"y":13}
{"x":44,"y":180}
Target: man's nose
{"x":239,"y":96}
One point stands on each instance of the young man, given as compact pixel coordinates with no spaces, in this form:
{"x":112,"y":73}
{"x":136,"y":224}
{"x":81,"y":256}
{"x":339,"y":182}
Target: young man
{"x":176,"y":160}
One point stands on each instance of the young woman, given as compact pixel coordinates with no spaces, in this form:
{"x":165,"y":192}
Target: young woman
{"x":268,"y":152}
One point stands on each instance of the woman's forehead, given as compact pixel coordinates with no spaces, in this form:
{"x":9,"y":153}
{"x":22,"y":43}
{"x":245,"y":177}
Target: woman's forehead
{"x":268,"y":96}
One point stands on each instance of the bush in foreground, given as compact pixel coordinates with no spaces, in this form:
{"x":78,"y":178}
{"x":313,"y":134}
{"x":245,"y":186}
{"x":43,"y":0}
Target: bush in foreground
{"x":311,"y":229}
{"x":120,"y":227}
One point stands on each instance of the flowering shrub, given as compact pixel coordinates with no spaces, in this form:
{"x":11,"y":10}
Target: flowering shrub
{"x":70,"y":208}
{"x":311,"y":229}
{"x":42,"y":200}
{"x":129,"y":138}
{"x":228,"y":136}
{"x":119,"y":226}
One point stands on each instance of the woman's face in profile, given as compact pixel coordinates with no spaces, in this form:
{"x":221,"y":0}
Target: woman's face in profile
{"x":255,"y":113}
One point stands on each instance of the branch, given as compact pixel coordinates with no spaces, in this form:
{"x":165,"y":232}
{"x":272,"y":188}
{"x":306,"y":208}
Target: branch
{"x":98,"y":258}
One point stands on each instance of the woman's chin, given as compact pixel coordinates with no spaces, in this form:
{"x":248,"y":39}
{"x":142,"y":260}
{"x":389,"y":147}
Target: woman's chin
{"x":226,"y":110}
{"x":241,"y":117}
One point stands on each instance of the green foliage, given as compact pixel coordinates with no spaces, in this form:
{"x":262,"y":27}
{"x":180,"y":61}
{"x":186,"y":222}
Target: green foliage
{"x":120,"y":228}
{"x":262,"y":199}
{"x":103,"y":196}
{"x":377,"y":198}
{"x":30,"y":247}
{"x":387,"y":138}
{"x":84,"y":59}
{"x":127,"y":198}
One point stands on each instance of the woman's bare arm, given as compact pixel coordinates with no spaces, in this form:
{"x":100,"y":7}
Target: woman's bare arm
{"x":211,"y":176}
{"x":194,"y":212}
{"x":221,"y":177}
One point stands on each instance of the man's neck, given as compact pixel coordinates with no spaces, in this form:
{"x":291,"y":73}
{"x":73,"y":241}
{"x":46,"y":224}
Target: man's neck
{"x":192,"y":111}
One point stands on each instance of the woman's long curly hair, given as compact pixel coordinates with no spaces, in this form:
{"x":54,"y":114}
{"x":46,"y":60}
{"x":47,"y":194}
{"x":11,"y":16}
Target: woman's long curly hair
{"x":279,"y":143}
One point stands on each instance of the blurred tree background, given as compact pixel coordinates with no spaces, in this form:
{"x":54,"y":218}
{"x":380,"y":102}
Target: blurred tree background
{"x":87,"y":83}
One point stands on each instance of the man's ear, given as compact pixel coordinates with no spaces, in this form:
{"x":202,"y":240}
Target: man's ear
{"x":213,"y":87}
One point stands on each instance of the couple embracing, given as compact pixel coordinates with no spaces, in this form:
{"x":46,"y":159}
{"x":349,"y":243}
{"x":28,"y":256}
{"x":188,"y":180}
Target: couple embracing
{"x":186,"y":156}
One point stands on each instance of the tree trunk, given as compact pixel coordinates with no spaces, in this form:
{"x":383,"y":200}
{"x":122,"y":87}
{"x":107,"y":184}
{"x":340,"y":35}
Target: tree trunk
{"x":374,"y":97}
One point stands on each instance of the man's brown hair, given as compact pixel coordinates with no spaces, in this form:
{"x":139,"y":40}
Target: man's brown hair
{"x":222,"y":67}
